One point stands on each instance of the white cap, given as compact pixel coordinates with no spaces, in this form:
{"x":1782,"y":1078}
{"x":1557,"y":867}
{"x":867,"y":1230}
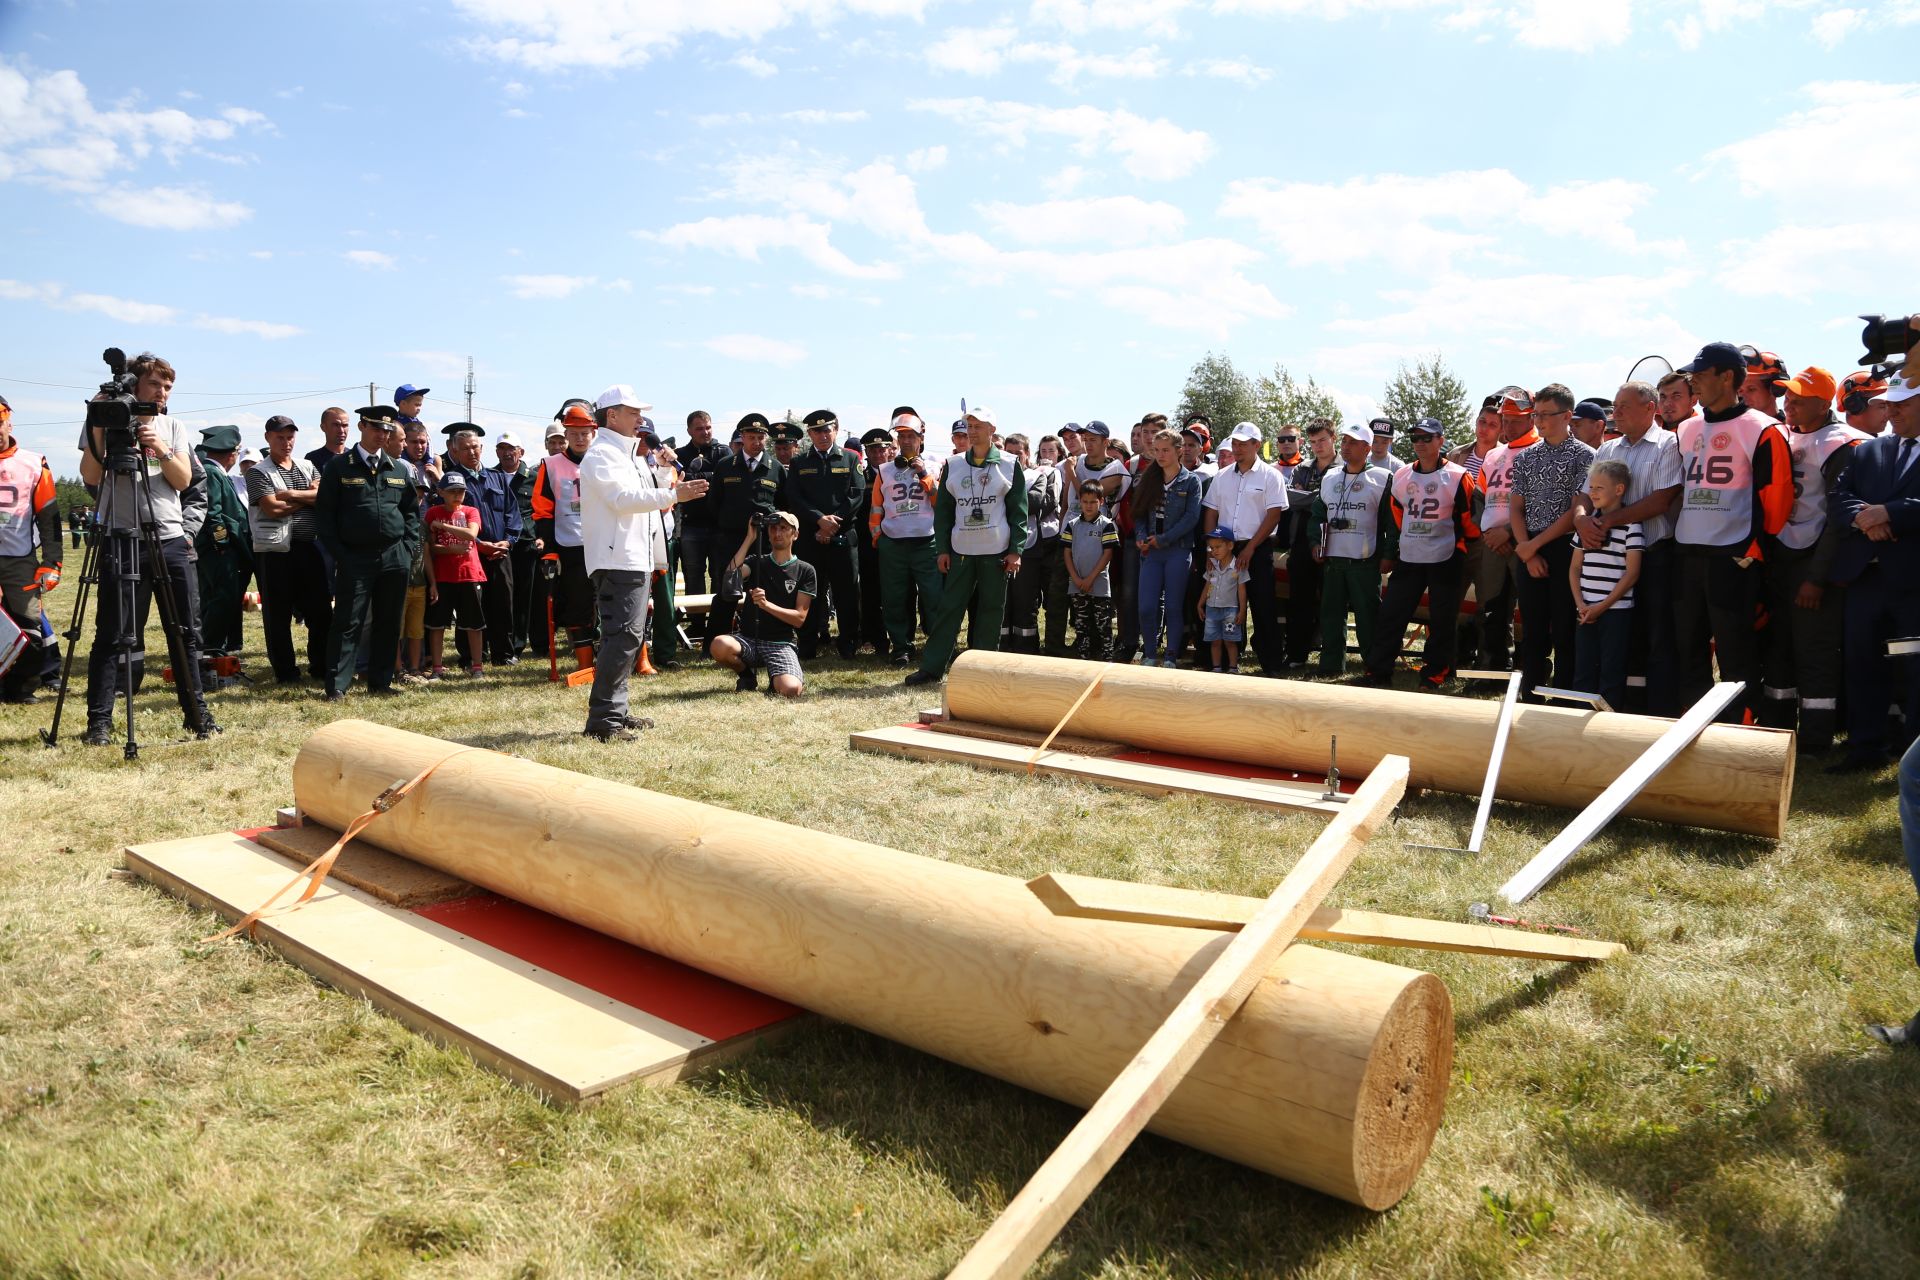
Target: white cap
{"x":244,"y":456}
{"x":508,"y":437}
{"x":1245,"y":431}
{"x":1900,"y":389}
{"x":909,"y":422}
{"x":621,"y":396}
{"x":555,"y":431}
{"x":983,"y":414}
{"x":1354,"y":431}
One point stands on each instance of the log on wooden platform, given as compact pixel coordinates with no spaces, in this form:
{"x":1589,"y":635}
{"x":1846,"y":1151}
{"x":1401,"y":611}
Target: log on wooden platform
{"x":1333,"y":1074}
{"x":1732,"y":778}
{"x":1126,"y":775}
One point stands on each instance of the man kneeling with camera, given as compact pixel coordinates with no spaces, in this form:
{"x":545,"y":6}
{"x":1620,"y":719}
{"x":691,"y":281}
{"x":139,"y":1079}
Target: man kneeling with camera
{"x":778,"y":588}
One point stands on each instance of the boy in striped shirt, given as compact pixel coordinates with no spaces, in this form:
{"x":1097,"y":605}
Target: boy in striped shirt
{"x":1603,"y":579}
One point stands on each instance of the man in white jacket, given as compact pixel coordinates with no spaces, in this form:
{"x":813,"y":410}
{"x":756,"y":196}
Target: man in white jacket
{"x":620,"y":524}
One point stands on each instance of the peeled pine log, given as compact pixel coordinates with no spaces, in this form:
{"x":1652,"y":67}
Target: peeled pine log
{"x":1731,"y":779}
{"x":1333,"y":1075}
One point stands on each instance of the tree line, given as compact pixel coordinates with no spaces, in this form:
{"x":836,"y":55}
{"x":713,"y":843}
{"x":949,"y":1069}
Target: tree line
{"x":1426,"y":389}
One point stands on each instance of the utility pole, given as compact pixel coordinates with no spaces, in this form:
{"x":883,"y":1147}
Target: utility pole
{"x":372,"y":394}
{"x":469,"y":388}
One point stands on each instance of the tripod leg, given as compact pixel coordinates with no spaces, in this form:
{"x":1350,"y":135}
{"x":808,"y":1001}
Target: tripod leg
{"x":89,"y":574}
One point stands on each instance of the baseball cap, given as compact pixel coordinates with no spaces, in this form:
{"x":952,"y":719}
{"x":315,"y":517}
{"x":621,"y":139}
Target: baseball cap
{"x":1198,"y":431}
{"x":908,"y":421}
{"x":280,"y":422}
{"x":1427,"y":427}
{"x":1072,"y":428}
{"x":959,"y":427}
{"x":1811,"y":381}
{"x":983,"y":414}
{"x":1590,"y":411}
{"x":1245,"y":431}
{"x":1722,"y":356}
{"x":451,"y":479}
{"x":620,"y":395}
{"x":789,"y":519}
{"x":1354,"y":431}
{"x":1221,"y":531}
{"x":1096,"y":428}
{"x":1381,"y":427}
{"x":406,"y":389}
{"x":555,"y":431}
{"x":509,"y":437}
{"x":1900,"y":389}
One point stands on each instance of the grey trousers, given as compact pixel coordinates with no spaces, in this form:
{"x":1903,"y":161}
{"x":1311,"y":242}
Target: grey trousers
{"x":621,"y":598}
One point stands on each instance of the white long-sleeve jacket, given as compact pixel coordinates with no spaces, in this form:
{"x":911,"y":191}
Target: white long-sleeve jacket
{"x":620,"y":523}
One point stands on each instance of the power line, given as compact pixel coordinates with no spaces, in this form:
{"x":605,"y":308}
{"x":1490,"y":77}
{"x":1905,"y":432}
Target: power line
{"x":68,"y":386}
{"x":214,"y":408}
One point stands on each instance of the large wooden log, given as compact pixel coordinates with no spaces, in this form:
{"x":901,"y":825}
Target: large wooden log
{"x":1731,"y":778}
{"x":1333,"y":1074}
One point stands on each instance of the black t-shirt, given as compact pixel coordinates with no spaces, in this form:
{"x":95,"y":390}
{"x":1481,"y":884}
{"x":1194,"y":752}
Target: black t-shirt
{"x":784,"y":585}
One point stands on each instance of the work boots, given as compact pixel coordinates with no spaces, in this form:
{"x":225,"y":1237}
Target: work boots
{"x":641,"y":665}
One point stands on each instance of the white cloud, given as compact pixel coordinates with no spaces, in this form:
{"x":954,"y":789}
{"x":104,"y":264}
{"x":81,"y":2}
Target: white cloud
{"x":817,"y":115}
{"x":170,"y":209}
{"x":749,"y":235}
{"x":753,"y":349}
{"x":258,"y":328}
{"x":1157,"y":17}
{"x":263,"y":255}
{"x":972,"y":51}
{"x":1575,"y":25}
{"x":370,"y":259}
{"x":1152,"y":149}
{"x":1423,"y":224}
{"x":1117,"y":220}
{"x":546,"y":287}
{"x":1831,"y":27}
{"x":121,"y":309}
{"x":926,"y":159}
{"x":983,"y":51}
{"x":52,"y":135}
{"x":753,"y":65}
{"x":1239,"y":70}
{"x":549,"y":35}
{"x":1844,"y":117}
{"x":1846,"y":258}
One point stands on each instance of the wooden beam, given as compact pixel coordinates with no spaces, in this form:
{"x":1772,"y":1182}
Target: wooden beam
{"x":1547,"y":863}
{"x":1124,"y":775}
{"x":1492,"y":784}
{"x":1022,"y":1233}
{"x":1093,"y":898}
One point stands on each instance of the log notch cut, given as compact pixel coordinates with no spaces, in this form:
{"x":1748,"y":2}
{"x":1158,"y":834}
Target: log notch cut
{"x":1333,"y":1075}
{"x":1731,"y":779}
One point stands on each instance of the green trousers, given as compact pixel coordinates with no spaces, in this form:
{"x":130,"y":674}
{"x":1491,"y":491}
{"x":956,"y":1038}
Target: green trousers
{"x":1348,"y":584}
{"x":908,"y":569}
{"x":666,"y":638}
{"x":976,"y":581}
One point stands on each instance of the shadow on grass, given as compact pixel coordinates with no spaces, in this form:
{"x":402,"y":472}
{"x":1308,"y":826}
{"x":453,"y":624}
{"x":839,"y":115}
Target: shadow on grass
{"x":1854,"y":1114}
{"x":1194,"y":1213}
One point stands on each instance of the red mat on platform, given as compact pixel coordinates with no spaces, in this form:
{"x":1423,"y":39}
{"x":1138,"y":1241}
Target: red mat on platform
{"x":703,"y":1004}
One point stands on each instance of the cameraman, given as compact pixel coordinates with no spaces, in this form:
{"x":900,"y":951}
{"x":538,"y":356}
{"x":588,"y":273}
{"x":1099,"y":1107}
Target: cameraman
{"x":779,"y":589}
{"x":166,"y":454}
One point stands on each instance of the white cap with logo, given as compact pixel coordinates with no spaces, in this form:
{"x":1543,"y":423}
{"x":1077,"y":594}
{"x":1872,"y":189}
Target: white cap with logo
{"x":621,"y":396}
{"x":1245,"y":431}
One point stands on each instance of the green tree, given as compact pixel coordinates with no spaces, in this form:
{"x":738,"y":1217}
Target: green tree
{"x":1281,"y":400}
{"x":1428,"y":390}
{"x":1217,"y":389}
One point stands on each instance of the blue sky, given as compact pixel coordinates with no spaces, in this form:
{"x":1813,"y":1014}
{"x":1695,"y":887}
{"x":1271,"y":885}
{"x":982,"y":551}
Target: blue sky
{"x":1053,"y":208}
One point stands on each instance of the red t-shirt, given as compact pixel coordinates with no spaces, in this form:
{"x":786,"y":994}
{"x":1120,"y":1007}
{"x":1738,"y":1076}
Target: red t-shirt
{"x":462,"y":565}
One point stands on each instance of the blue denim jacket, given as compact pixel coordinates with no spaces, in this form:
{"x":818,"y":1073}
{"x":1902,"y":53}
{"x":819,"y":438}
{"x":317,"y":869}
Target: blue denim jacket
{"x":1182,"y":517}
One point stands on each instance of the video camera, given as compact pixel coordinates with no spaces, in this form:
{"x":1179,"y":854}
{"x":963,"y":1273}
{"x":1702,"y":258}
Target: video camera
{"x":113,"y":414}
{"x":764,"y":520}
{"x":1888,"y":339}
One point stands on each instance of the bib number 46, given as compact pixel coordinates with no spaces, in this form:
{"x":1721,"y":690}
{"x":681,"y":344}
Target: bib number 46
{"x":1717,"y":473}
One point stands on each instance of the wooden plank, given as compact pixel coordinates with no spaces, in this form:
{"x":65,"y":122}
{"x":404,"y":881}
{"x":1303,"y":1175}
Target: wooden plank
{"x":694,"y":605}
{"x":529,"y":1024}
{"x":1492,"y":784}
{"x":1125,"y":775}
{"x":1072,"y":744}
{"x":1021,"y":1234}
{"x":1094,"y":898}
{"x":1547,"y":863}
{"x":396,"y":881}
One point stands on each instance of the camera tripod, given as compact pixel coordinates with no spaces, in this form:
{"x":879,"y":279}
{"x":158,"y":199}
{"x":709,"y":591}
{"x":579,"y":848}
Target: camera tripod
{"x":126,"y":550}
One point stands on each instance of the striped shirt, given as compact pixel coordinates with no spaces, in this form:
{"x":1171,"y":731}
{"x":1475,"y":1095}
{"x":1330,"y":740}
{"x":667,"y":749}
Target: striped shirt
{"x":1602,"y":567}
{"x":269,"y":477}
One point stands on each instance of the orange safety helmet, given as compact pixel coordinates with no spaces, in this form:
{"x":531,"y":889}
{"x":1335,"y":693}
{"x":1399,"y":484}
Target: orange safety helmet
{"x":1856,"y":389}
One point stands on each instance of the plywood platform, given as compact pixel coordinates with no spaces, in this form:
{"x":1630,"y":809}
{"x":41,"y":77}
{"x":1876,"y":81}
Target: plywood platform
{"x":617,"y":1015}
{"x":1146,"y":772}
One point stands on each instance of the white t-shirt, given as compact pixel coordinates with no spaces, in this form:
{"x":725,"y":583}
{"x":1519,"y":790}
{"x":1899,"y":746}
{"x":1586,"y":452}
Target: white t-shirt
{"x":117,"y":493}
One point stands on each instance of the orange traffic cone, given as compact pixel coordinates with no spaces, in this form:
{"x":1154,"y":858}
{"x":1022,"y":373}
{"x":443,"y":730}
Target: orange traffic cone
{"x":642,"y":667}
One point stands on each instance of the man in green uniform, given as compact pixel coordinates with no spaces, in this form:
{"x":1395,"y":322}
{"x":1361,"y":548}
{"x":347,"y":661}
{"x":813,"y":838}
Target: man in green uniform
{"x":979,"y":527}
{"x":877,"y":444}
{"x":823,"y":490}
{"x":367,"y":515}
{"x":223,"y":547}
{"x":749,"y":482}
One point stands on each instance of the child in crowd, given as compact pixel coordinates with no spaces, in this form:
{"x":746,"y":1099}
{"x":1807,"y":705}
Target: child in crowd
{"x":454,"y":574}
{"x":1603,"y":579}
{"x":1091,"y":542}
{"x":413,"y":618}
{"x":1223,"y":602}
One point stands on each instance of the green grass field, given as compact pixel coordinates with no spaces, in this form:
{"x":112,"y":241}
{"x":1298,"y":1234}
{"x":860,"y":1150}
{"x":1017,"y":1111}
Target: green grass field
{"x":1706,"y":1106}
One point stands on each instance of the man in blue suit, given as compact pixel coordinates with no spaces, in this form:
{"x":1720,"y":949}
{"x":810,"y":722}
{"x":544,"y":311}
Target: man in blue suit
{"x":1876,"y":503}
